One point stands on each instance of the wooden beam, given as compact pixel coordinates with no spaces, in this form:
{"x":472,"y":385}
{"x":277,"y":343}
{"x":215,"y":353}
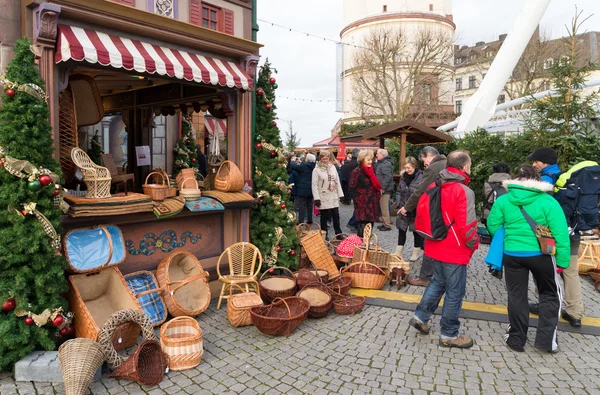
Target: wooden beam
{"x":402,"y":150}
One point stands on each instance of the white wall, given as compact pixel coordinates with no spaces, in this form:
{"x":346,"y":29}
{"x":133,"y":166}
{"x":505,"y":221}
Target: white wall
{"x":359,"y":9}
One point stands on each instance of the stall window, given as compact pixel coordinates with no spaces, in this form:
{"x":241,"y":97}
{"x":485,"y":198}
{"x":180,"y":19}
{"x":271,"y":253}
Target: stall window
{"x":112,"y":135}
{"x":159,"y":142}
{"x":211,"y":16}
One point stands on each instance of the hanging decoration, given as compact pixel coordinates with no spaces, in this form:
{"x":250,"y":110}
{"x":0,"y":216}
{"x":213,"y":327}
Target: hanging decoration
{"x":272,"y":148}
{"x":24,"y":169}
{"x":53,"y":316}
{"x":271,"y":259}
{"x":31,"y":89}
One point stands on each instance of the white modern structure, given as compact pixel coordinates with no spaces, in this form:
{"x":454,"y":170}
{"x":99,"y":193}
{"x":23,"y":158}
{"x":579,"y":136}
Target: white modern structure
{"x":362,"y":17}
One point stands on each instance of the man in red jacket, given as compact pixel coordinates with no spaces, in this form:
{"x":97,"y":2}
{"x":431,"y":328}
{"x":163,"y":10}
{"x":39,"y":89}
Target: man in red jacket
{"x":451,"y":255}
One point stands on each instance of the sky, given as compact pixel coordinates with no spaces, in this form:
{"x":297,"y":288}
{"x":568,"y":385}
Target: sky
{"x":306,"y":66}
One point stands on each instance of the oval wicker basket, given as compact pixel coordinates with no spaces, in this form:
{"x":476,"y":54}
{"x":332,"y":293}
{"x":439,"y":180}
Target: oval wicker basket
{"x":181,"y":340}
{"x":339,"y":286}
{"x":229,"y":178}
{"x":185,"y":284}
{"x":365,"y":275}
{"x":349,"y":304}
{"x":281,"y":317}
{"x":318,"y":296}
{"x":156,"y":191}
{"x":278,"y":286}
{"x":190,"y":193}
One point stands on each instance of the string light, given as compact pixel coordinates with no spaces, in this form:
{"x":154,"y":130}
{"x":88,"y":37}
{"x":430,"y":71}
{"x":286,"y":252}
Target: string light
{"x":310,"y":34}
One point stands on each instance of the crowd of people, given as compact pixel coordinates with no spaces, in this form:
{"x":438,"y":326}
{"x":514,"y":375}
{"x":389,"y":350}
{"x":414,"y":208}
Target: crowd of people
{"x":528,"y":212}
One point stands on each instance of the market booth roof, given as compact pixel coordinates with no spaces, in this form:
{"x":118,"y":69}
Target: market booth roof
{"x":334,"y":142}
{"x":75,"y":43}
{"x":416,"y":133}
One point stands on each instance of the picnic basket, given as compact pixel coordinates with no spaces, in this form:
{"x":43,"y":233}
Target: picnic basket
{"x":238,"y":306}
{"x":89,"y":250}
{"x":277,"y":286}
{"x":80,"y":359}
{"x":145,"y":366}
{"x":144,"y":286}
{"x":319,"y":298}
{"x":281,"y":317}
{"x":181,"y":340}
{"x":374,"y":254}
{"x":229,"y":178}
{"x":171,"y":189}
{"x":157,"y":192}
{"x":185,"y":284}
{"x":349,"y":304}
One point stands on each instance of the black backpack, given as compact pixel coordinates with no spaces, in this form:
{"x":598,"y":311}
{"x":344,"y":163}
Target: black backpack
{"x":429,"y":222}
{"x":497,"y":191}
{"x":579,"y":198}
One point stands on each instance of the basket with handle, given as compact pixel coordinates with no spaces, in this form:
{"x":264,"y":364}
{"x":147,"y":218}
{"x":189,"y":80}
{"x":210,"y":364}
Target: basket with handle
{"x":319,"y":297}
{"x":339,"y":287}
{"x":157,"y":192}
{"x":183,"y":174}
{"x":145,"y":366}
{"x":364,"y":274}
{"x":189,"y":189}
{"x":239,"y":304}
{"x":277,"y":286}
{"x":144,"y":286}
{"x":375,"y":255}
{"x":171,"y":189}
{"x":181,"y":340}
{"x":281,"y":317}
{"x":229,"y":178}
{"x":349,"y":304}
{"x":80,"y":359}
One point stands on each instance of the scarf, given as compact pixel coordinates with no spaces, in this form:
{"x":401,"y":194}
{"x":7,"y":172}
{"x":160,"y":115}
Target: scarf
{"x":460,"y":172}
{"x":333,"y":186}
{"x":409,"y":178}
{"x":374,"y":181}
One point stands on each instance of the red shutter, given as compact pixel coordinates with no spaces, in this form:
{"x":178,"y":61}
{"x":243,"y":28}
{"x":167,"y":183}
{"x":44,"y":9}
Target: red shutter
{"x":227,"y":21}
{"x":196,"y":12}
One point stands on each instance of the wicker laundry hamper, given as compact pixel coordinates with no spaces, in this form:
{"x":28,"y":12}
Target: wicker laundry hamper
{"x":181,"y":340}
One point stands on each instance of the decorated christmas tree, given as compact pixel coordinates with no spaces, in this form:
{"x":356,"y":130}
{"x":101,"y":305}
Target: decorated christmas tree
{"x":95,"y":150}
{"x":186,"y":155}
{"x":272,"y":227}
{"x":31,"y":266}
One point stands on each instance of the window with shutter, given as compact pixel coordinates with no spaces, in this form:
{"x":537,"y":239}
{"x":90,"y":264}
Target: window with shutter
{"x":228,"y":21}
{"x":196,"y":12}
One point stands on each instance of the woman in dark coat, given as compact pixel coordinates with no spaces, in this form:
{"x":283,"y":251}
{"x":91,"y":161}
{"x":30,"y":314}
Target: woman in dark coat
{"x":303,"y":200}
{"x":409,"y":181}
{"x":365,"y":189}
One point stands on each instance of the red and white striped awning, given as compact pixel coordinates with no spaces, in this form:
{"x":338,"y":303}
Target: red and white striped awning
{"x":123,"y":53}
{"x":215,"y":125}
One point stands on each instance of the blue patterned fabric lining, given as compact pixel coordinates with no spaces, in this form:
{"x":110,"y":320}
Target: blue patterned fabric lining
{"x":152,"y":304}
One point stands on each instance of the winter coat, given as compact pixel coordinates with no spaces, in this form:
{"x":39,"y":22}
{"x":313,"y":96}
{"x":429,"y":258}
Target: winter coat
{"x":385,"y":174}
{"x":533,"y":196}
{"x":294,"y":180}
{"x":458,"y":209}
{"x":347,"y":169}
{"x":430,"y":175}
{"x":550,"y":173}
{"x":495,"y":178}
{"x":320,"y":186}
{"x":303,"y":183}
{"x":366,"y":198}
{"x":403,"y":222}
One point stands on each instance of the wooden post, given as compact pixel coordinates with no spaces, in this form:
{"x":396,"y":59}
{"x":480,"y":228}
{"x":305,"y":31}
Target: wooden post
{"x":402,"y":150}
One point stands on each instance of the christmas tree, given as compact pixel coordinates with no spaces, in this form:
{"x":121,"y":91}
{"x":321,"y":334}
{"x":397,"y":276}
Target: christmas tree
{"x":31,"y":267}
{"x":95,"y":150}
{"x":186,"y":155}
{"x":272,"y":227}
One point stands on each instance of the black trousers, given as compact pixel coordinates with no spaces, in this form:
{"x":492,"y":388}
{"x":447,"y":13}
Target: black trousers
{"x":543,"y":269}
{"x":304,"y":207}
{"x":346,"y":199}
{"x":402,"y":238}
{"x":326,"y":215}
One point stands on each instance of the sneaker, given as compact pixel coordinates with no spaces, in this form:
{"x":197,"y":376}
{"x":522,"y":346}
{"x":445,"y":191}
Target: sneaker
{"x":423,"y":328}
{"x":459,"y":342}
{"x":514,"y":348}
{"x":384,"y":228}
{"x":556,"y":350}
{"x":418,"y":282}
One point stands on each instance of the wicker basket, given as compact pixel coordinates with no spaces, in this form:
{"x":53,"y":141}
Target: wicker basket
{"x":229,"y":178}
{"x":349,"y":304}
{"x":184,"y":174}
{"x":396,"y":261}
{"x":185,"y":283}
{"x":281,"y":317}
{"x":93,"y":298}
{"x":89,"y":250}
{"x":79,"y":359}
{"x":319,"y":297}
{"x":238,"y":306}
{"x":589,"y":256}
{"x":145,"y":366}
{"x":172,"y":189}
{"x":181,"y":340}
{"x":305,"y":229}
{"x":305,"y":276}
{"x":339,"y":286}
{"x":279,"y":286}
{"x":374,"y":255}
{"x":157,"y":192}
{"x":319,"y":254}
{"x":365,"y":275}
{"x":189,"y":189}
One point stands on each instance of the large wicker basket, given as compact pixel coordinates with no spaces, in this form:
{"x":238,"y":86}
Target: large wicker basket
{"x":79,"y":359}
{"x":181,"y":340}
{"x":281,"y":317}
{"x":239,"y":305}
{"x":277,"y":286}
{"x":365,"y":275}
{"x":157,"y":192}
{"x":319,"y":297}
{"x":145,"y":366}
{"x":185,"y":284}
{"x":374,"y":254}
{"x":229,"y":178}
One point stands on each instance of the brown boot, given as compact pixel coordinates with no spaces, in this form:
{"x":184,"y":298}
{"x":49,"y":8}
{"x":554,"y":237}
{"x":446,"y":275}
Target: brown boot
{"x":459,"y":342}
{"x":418,"y":282}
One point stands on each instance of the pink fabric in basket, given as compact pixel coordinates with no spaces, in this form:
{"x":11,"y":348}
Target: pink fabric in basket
{"x":346,"y":247}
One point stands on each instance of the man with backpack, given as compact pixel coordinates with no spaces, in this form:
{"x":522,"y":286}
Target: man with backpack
{"x":545,"y":160}
{"x":446,"y":218}
{"x":493,"y":188}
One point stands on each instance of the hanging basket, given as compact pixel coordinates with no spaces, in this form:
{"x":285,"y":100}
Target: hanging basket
{"x":157,"y":192}
{"x":229,"y":178}
{"x":145,"y":366}
{"x":80,"y":359}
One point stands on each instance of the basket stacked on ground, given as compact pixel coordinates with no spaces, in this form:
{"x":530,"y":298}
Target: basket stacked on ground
{"x":239,"y":305}
{"x":277,"y":286}
{"x":229,"y":178}
{"x":181,"y":340}
{"x":157,"y":192}
{"x":319,"y":298}
{"x":305,"y":276}
{"x":319,"y":255}
{"x":281,"y":317}
{"x":79,"y":359}
{"x":349,"y":304}
{"x":185,"y":284}
{"x":339,"y":287}
{"x":364,"y":274}
{"x":145,"y":366}
{"x":374,"y":254}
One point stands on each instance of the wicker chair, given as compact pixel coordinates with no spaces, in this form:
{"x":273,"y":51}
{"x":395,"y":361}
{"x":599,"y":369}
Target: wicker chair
{"x":118,"y":176}
{"x":243,"y":268}
{"x":96,"y":178}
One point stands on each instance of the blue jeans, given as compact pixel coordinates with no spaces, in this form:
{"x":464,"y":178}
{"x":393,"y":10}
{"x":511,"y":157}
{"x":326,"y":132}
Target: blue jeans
{"x":352,"y":221}
{"x":451,"y":280}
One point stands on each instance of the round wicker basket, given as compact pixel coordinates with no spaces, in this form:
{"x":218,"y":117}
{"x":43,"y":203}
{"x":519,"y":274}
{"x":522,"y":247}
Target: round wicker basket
{"x":278,"y":286}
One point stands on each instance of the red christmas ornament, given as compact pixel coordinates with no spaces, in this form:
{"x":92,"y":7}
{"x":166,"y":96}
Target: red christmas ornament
{"x":58,"y":321}
{"x":292,"y":252}
{"x":64,"y":331}
{"x":272,"y":80}
{"x":56,"y":192}
{"x":8,"y":304}
{"x":258,"y":145}
{"x":278,"y":248}
{"x":259,"y":92}
{"x":24,"y":212}
{"x":268,"y":106}
{"x":28,"y":321}
{"x":188,"y":119}
{"x":260,"y":201}
{"x":289,"y":191}
{"x":273,"y":154}
{"x":279,"y":164}
{"x":71,"y":330}
{"x":271,"y":271}
{"x":274,"y":123}
{"x":57,"y":249}
{"x":10,"y":92}
{"x":45,"y":179}
{"x":1,"y":163}
{"x":193,"y":160}
{"x":283,"y":206}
